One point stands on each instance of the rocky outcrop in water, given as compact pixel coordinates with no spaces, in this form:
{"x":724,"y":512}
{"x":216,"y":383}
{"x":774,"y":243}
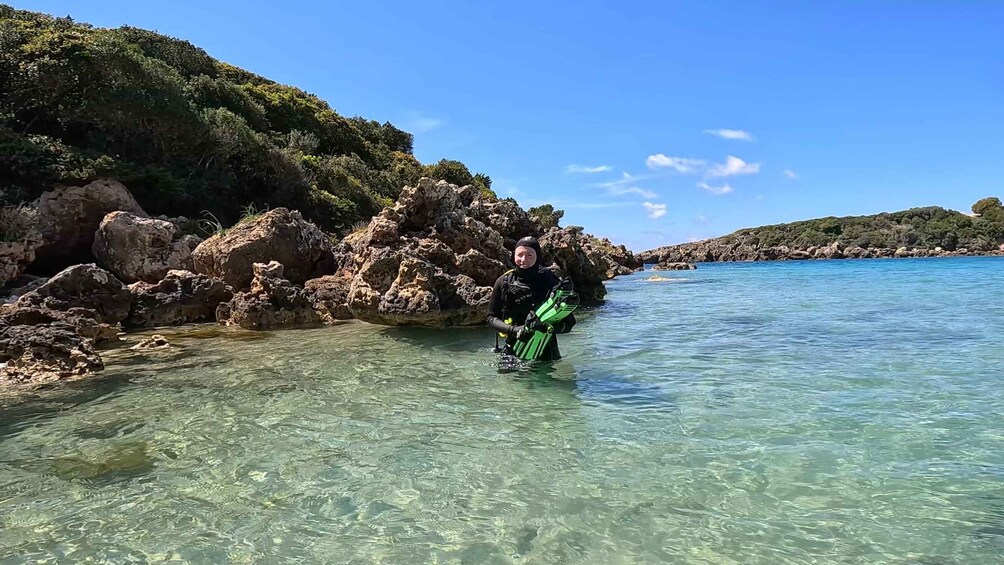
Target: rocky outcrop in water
{"x":577,"y":258}
{"x":87,"y":287}
{"x":142,"y":249}
{"x":425,"y":261}
{"x":431,"y":259}
{"x":272,"y":303}
{"x":278,"y":235}
{"x":674,"y":267}
{"x":39,"y":353}
{"x":182,"y":297}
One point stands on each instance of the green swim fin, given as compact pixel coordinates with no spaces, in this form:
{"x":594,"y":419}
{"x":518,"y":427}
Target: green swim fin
{"x":559,"y":304}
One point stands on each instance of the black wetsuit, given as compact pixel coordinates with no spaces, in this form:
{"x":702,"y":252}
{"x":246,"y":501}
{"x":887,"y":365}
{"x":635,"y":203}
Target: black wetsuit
{"x":515,"y":295}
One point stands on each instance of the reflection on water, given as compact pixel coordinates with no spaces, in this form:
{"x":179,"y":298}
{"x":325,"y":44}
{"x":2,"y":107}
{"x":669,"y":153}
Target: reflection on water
{"x":841,"y":412}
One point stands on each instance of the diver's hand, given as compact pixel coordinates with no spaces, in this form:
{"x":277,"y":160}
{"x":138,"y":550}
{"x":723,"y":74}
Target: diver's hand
{"x":522,"y":332}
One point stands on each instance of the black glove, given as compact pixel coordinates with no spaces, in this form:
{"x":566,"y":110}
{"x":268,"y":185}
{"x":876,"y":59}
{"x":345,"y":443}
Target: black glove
{"x":533,"y":323}
{"x":521,"y":333}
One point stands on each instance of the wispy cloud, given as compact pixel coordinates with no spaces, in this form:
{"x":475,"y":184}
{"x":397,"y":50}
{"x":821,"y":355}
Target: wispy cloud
{"x":730,"y":134}
{"x":644,"y":193}
{"x":790,"y":174}
{"x":701,"y":220}
{"x":423,"y":125}
{"x":655,"y":210}
{"x":627,"y":184}
{"x":733,"y":166}
{"x":724,"y":189}
{"x":679,"y":164}
{"x":587,"y":170}
{"x":625,"y":180}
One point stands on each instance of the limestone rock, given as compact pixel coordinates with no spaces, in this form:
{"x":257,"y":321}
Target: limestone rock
{"x":83,"y":286}
{"x":182,"y":297}
{"x":271,"y":303}
{"x":136,"y":248}
{"x":279,"y":235}
{"x":70,"y":216}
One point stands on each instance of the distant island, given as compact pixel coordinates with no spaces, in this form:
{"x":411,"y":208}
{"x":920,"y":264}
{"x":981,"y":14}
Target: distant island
{"x":917,"y":232}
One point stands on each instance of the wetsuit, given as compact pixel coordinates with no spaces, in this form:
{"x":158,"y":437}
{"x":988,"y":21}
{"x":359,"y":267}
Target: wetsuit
{"x":516,"y":294}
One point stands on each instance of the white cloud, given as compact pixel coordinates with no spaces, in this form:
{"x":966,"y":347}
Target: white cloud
{"x":655,"y":210}
{"x":644,"y":193}
{"x":733,"y":166}
{"x":626,"y":185}
{"x":679,"y":164}
{"x":730,"y":134}
{"x":422,"y":125}
{"x":588,"y":170}
{"x":625,"y":180}
{"x":724,"y":189}
{"x":701,"y":220}
{"x":790,"y":174}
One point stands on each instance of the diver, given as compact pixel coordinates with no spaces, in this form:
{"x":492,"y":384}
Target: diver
{"x":518,"y":293}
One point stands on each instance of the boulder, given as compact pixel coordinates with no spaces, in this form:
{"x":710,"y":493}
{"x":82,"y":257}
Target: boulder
{"x":136,"y":248}
{"x":82,"y":286}
{"x":182,"y":297}
{"x":280,"y":235}
{"x":272,"y":303}
{"x":69,"y":217}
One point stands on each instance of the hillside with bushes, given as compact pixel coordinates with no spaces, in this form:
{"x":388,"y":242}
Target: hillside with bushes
{"x":189,"y":134}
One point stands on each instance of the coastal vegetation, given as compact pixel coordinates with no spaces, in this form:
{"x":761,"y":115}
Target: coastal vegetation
{"x":925,"y":228}
{"x":190,"y":135}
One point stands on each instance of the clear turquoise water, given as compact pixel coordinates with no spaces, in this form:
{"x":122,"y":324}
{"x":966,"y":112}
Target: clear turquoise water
{"x":774,"y":413}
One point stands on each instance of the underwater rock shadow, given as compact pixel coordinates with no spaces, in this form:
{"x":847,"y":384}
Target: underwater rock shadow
{"x":460,"y":340}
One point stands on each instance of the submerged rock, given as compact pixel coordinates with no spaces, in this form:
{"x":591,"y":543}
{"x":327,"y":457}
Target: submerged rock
{"x":156,"y":341}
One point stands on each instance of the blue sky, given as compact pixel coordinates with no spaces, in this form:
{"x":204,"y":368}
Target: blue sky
{"x":649,"y":123}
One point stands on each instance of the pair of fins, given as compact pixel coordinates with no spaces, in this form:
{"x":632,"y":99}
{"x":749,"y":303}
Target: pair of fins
{"x":559,"y":304}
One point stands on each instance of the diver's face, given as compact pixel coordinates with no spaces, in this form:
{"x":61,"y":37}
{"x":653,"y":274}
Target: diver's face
{"x":525,"y":257}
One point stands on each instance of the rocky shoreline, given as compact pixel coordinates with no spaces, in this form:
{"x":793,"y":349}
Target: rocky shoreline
{"x":429,"y":260}
{"x":716,"y":250}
